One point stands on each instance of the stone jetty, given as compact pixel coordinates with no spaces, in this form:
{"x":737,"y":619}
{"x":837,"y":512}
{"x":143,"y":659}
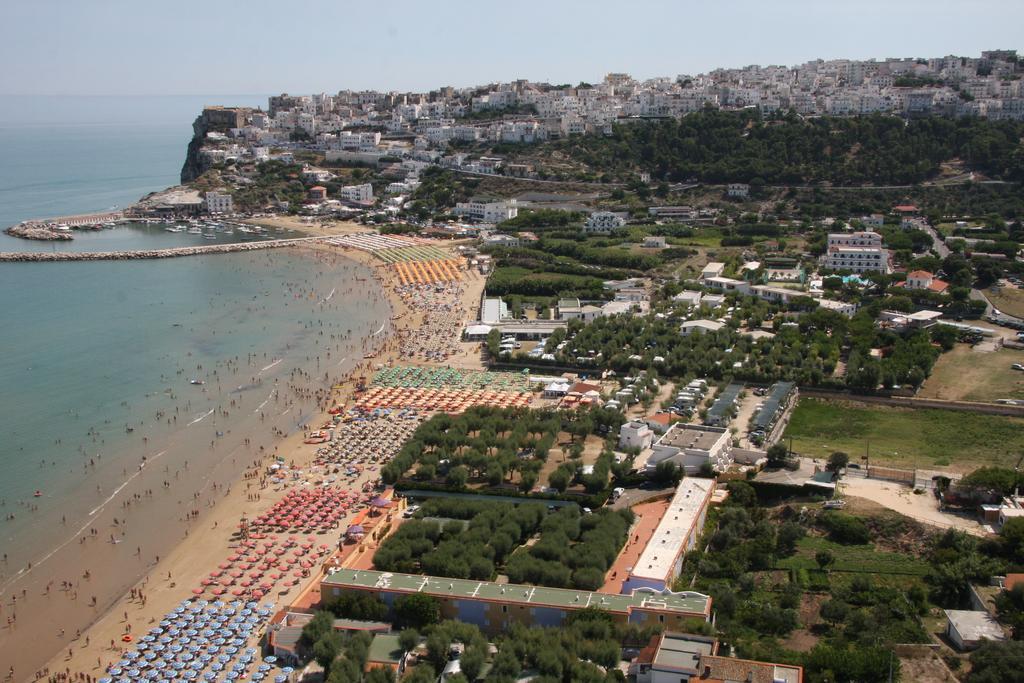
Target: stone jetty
{"x":39,"y":257}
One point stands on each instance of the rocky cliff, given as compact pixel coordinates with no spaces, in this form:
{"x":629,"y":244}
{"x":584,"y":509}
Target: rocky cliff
{"x":193,"y":166}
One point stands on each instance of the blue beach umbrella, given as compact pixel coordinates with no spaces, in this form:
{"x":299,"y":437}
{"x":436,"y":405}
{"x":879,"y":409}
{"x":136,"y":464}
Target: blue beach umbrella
{"x":217,"y":666}
{"x":270,"y":659}
{"x":259,"y":676}
{"x":116,"y":671}
{"x":232,"y":675}
{"x":280,"y":679}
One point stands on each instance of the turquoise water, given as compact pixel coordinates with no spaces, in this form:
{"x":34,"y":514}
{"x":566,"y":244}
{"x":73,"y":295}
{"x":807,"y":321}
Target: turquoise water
{"x":96,"y":358}
{"x":65,"y":155}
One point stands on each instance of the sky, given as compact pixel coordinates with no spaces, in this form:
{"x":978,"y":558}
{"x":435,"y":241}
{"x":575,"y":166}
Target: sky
{"x":225,"y":47}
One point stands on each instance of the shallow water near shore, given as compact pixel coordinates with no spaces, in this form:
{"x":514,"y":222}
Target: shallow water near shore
{"x":101,"y":418}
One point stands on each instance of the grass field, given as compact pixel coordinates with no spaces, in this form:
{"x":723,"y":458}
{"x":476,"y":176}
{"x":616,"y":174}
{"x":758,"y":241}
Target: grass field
{"x":905,"y":437}
{"x":1008,"y":300}
{"x":964,"y":375}
{"x":853,"y":558}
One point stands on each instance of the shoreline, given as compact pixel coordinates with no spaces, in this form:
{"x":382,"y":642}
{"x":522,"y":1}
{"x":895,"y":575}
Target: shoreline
{"x":221,"y":496}
{"x":167,"y":580}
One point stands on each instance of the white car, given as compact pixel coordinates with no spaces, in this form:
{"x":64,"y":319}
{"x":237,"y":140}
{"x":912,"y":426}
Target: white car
{"x":1017,"y":366}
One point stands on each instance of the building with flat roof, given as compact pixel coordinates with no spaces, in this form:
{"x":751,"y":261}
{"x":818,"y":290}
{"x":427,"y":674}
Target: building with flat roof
{"x":661,"y":560}
{"x":691,"y":446}
{"x":684,"y":658}
{"x":700,"y":326}
{"x":968,"y":628}
{"x":713,"y":269}
{"x":494,"y":607}
{"x":672,"y":657}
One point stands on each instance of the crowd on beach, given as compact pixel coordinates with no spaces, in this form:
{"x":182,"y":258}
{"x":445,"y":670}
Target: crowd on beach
{"x":345,"y":469}
{"x":437,"y":336}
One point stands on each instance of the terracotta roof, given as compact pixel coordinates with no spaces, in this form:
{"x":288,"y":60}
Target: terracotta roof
{"x":730,"y":669}
{"x":938,"y":286}
{"x":661,"y":418}
{"x":1012,"y":580}
{"x":583,"y":387}
{"x":919,"y":274}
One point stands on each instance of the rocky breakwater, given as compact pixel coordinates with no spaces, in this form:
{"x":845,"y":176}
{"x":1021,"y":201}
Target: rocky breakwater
{"x":38,"y":231}
{"x":40,"y":257}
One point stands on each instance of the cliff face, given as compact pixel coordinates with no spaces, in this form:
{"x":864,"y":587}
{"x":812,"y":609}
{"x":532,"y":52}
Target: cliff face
{"x":193,"y":166}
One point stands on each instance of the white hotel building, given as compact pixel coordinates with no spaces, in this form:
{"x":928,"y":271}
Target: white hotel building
{"x":859,"y":252}
{"x":488,"y":212}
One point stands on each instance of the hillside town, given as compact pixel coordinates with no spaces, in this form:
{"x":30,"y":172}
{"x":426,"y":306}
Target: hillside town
{"x":368,"y":126}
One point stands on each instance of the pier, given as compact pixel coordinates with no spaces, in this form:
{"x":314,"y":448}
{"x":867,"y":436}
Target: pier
{"x":79,"y":220}
{"x":39,"y":257}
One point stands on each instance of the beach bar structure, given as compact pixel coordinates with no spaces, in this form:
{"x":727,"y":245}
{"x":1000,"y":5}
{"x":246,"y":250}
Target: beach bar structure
{"x":494,"y":607}
{"x":661,"y":560}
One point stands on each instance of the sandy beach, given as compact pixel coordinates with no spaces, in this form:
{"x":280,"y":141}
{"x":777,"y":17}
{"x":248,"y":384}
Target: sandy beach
{"x":243,"y":491}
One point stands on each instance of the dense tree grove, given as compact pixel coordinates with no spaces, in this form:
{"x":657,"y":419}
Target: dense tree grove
{"x":574,"y":550}
{"x":493,"y":443}
{"x":722,"y":147}
{"x":460,"y":549}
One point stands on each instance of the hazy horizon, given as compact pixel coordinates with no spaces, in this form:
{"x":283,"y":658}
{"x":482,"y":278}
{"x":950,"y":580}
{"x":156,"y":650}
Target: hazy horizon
{"x":123,"y":48}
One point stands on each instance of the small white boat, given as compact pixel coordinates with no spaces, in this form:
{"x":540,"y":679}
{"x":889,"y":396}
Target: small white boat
{"x":195,"y":230}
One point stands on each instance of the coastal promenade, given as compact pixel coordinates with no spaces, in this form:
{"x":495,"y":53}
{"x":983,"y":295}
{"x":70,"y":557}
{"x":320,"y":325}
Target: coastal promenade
{"x":38,"y":257}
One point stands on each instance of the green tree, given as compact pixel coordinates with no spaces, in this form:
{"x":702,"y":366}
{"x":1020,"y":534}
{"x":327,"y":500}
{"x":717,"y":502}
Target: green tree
{"x":409,"y":639}
{"x":996,"y":662}
{"x":458,"y":476}
{"x":824,"y":559}
{"x":417,"y":610}
{"x":834,"y":611}
{"x":838,"y":461}
{"x":778,"y":455}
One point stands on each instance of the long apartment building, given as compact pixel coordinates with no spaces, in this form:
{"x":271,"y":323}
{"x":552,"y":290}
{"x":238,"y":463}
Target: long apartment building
{"x":661,"y":560}
{"x":495,"y":607}
{"x":859,"y":252}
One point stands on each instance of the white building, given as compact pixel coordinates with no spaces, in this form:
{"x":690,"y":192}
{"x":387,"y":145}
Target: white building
{"x":488,"y":212}
{"x":501,"y":240}
{"x":218,"y":202}
{"x":700,"y":326}
{"x":728,"y":284}
{"x":738,"y":190}
{"x":654,"y":242}
{"x":603,"y":222}
{"x":967,"y":629}
{"x":691,"y":446}
{"x":689,"y":297}
{"x":356,"y":193}
{"x":713,"y":269}
{"x":661,"y":560}
{"x":859,"y":252}
{"x":635,"y":435}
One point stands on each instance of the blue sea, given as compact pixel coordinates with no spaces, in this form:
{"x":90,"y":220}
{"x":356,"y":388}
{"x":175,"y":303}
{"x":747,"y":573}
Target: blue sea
{"x":97,"y":359}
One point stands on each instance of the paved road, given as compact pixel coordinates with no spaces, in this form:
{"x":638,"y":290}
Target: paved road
{"x":940,"y":246}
